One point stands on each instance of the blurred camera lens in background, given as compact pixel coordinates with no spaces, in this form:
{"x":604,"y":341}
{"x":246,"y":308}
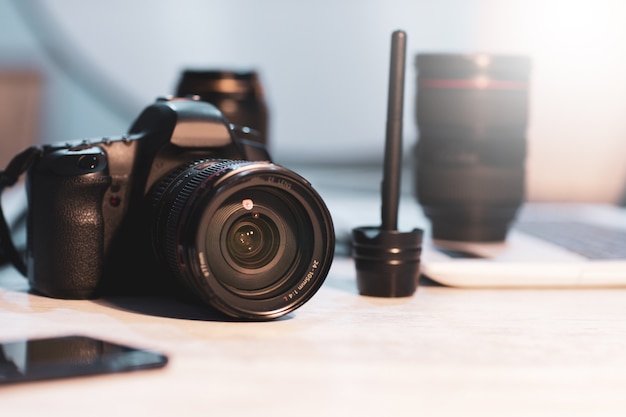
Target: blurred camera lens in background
{"x":237,"y":94}
{"x":472,"y":115}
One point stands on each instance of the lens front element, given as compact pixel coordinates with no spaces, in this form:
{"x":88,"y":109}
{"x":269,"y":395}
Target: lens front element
{"x":251,"y":244}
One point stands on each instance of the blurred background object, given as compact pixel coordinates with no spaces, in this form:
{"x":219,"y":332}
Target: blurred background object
{"x":237,"y":93}
{"x":469,"y":168}
{"x":324,"y":70}
{"x":20,"y":105}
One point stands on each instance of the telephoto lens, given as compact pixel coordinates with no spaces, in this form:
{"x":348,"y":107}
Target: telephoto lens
{"x":238,"y":94}
{"x":472,"y":115}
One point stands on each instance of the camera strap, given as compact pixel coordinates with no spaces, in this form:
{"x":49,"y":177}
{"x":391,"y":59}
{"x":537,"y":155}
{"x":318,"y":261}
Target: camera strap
{"x":18,"y":165}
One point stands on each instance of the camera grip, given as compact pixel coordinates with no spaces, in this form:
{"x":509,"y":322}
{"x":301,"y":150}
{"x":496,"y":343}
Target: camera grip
{"x":66,"y":234}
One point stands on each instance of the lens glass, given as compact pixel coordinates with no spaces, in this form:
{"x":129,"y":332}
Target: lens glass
{"x":252,"y":243}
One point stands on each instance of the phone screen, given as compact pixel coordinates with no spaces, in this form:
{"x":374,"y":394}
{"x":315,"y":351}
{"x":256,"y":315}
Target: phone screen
{"x":69,"y":356}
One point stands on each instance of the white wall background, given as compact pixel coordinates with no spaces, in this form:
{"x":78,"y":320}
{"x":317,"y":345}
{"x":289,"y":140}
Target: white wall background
{"x":324,"y":66}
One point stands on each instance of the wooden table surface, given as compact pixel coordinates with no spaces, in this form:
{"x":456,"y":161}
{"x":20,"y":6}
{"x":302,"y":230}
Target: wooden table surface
{"x":442,"y":352}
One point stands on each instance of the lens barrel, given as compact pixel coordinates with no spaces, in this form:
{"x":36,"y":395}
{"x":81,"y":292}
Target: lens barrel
{"x":472,"y":114}
{"x":252,"y":239}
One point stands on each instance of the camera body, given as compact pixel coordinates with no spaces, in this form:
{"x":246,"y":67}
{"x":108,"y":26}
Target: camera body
{"x":94,"y":207}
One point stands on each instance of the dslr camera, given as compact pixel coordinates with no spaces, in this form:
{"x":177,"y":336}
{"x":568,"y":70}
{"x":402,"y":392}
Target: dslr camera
{"x":183,"y":201}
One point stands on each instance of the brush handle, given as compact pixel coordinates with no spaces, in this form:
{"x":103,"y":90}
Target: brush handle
{"x":393,"y":140}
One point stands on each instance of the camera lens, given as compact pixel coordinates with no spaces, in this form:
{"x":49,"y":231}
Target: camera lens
{"x":472,"y":114}
{"x":251,"y":239}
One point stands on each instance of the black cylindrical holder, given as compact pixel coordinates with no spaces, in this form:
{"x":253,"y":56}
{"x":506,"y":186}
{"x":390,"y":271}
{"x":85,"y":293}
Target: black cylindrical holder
{"x":387,"y":261}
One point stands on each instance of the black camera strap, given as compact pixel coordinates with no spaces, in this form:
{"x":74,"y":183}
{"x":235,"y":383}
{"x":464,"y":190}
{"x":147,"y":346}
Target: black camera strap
{"x":18,"y":165}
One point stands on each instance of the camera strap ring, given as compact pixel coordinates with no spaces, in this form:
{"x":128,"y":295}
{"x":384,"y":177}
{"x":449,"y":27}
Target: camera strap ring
{"x":18,"y":165}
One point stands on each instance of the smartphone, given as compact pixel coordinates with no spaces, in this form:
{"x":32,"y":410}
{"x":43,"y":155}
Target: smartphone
{"x":70,"y":356}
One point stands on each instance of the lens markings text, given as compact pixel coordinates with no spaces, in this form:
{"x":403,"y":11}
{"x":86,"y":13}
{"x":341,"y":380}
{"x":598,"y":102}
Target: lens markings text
{"x":279,"y":181}
{"x":305,"y":281}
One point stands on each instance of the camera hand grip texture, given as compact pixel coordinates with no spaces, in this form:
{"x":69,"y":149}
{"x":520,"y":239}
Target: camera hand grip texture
{"x":66,"y":234}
